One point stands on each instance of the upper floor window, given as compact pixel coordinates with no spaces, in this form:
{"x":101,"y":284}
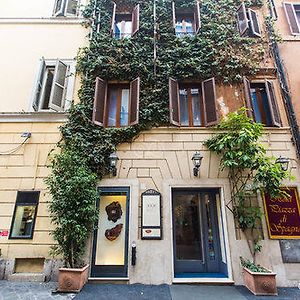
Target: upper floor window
{"x":66,"y":8}
{"x":54,"y":87}
{"x":116,"y":104}
{"x":193,"y":104}
{"x":125,"y":24}
{"x":261,"y":100}
{"x":186,"y":22}
{"x":292,"y":12}
{"x":24,"y":216}
{"x":248,"y":23}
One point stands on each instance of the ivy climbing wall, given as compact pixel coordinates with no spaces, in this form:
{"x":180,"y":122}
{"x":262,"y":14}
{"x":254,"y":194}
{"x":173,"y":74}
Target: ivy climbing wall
{"x":217,"y":51}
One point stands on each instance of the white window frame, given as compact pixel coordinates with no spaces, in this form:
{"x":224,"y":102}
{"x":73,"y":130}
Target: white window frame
{"x":63,"y":11}
{"x":68,"y":88}
{"x":294,"y":13}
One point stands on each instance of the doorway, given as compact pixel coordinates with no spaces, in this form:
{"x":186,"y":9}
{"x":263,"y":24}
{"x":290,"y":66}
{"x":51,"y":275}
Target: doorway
{"x":196,"y":234}
{"x":110,"y":242}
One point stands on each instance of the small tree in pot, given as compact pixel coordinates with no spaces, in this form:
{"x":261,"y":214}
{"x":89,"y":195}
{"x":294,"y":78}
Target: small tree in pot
{"x":72,"y":210}
{"x":250,"y":171}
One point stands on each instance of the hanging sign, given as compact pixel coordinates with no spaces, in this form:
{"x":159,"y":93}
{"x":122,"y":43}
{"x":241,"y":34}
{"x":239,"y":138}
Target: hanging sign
{"x":283,"y":215}
{"x":151,"y":215}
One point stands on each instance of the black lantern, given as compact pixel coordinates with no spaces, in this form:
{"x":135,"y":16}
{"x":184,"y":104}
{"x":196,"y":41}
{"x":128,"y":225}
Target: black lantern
{"x":197,"y":159}
{"x":113,"y":159}
{"x":284,"y":163}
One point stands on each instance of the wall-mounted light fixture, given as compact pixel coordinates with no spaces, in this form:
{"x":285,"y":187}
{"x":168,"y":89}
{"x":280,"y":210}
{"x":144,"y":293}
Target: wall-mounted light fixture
{"x":197,"y":159}
{"x":284,"y":162}
{"x":113,"y":159}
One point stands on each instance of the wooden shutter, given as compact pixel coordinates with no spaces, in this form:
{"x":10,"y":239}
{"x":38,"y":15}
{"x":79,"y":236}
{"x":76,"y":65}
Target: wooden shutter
{"x":291,"y":17}
{"x":254,"y":24}
{"x":209,"y":102}
{"x":174,"y":14}
{"x":71,"y":7}
{"x":248,"y":97}
{"x":275,"y":115}
{"x":100,"y":102}
{"x":59,"y":8}
{"x":174,"y":102}
{"x":134,"y":101}
{"x":197,"y":17}
{"x":57,"y":94}
{"x":113,"y":19}
{"x":135,"y":19}
{"x":39,"y":86}
{"x":242,"y":19}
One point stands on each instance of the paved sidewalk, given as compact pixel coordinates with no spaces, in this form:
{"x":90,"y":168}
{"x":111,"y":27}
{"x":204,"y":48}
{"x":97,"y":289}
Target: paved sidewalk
{"x":10,"y":290}
{"x":43,"y":291}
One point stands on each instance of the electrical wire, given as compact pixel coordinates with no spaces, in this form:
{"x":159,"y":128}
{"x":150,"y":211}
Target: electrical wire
{"x":8,"y":152}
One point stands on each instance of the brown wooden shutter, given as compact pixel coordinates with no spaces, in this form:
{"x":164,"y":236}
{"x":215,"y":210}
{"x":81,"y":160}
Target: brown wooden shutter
{"x":197,"y":17}
{"x":254,"y":24}
{"x":174,"y":102}
{"x":100,"y":101}
{"x":174,"y":14}
{"x":275,"y":115}
{"x":134,"y":101}
{"x":291,"y":17}
{"x":135,"y":19}
{"x":113,"y":19}
{"x":209,"y":102}
{"x":248,"y":97}
{"x":242,"y":19}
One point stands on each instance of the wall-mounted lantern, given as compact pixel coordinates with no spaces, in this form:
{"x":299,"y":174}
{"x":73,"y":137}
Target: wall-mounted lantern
{"x":284,"y":163}
{"x":113,"y":159}
{"x":197,"y":159}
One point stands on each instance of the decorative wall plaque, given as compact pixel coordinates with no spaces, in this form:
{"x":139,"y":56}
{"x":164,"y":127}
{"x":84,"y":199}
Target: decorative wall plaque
{"x":151,"y":215}
{"x":283,"y":215}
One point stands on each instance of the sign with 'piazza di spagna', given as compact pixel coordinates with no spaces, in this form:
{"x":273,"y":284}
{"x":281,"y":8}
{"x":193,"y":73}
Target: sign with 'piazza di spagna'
{"x":283,"y":215}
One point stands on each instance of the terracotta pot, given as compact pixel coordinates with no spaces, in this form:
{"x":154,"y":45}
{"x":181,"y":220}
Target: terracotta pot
{"x":72,"y":280}
{"x":260,"y":283}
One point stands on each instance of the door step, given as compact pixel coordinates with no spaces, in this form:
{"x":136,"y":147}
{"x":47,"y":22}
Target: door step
{"x":104,"y":280}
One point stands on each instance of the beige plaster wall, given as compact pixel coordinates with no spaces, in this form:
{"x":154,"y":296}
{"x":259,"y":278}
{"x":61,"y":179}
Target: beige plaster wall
{"x":289,"y":51}
{"x":28,"y":8}
{"x":161,"y":159}
{"x":26,"y":169}
{"x":21,"y":50}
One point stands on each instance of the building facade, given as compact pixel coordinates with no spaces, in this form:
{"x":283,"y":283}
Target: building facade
{"x":40,"y":42}
{"x":158,"y":222}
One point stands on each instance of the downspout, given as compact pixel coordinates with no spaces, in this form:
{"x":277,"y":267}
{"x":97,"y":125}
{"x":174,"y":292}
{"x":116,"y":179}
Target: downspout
{"x":285,"y":91}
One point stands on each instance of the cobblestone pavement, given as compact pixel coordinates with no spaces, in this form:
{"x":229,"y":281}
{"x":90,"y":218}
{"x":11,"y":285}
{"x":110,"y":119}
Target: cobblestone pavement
{"x":43,"y":291}
{"x":30,"y":291}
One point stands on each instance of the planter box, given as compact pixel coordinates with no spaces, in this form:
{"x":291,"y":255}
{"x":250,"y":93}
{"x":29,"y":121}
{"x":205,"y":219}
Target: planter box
{"x":72,"y":280}
{"x":260,"y":283}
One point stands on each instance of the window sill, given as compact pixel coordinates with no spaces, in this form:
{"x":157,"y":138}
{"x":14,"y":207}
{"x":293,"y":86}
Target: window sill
{"x":34,"y":117}
{"x":49,"y":20}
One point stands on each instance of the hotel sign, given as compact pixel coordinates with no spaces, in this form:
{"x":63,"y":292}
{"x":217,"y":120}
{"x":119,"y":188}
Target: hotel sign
{"x":283,"y":215}
{"x":151,"y":215}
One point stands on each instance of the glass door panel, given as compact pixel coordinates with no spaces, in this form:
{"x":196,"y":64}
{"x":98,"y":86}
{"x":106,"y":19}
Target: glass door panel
{"x":110,"y":244}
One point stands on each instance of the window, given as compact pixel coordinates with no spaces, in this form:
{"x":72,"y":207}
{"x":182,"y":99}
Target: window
{"x":260,"y":99}
{"x":116,"y":104}
{"x":292,"y":12}
{"x":24,"y":216}
{"x":54,"y":87}
{"x":186,"y":22}
{"x":248,"y":23}
{"x":124,"y":24}
{"x":66,"y":8}
{"x":193,"y":104}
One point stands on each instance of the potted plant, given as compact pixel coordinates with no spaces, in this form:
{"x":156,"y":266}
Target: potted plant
{"x":72,"y":210}
{"x":259,"y":280}
{"x":250,"y":172}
